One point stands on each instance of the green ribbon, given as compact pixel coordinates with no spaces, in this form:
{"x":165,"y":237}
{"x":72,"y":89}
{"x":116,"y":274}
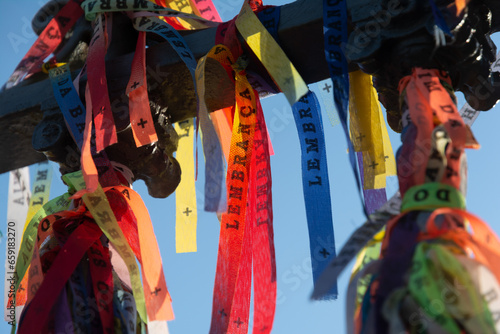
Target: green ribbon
{"x":29,"y":236}
{"x":430,"y":196}
{"x":442,"y":287}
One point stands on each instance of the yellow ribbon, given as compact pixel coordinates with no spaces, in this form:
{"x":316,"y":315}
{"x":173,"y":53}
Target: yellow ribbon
{"x":368,"y":131}
{"x":271,"y":55}
{"x":186,"y":214}
{"x":99,"y":207}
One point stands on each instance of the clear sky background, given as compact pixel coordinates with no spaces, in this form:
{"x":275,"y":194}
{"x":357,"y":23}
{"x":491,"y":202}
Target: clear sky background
{"x":190,"y":277}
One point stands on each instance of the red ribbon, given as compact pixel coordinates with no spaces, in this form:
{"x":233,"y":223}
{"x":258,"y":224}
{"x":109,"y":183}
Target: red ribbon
{"x":47,"y":42}
{"x":246,"y":230}
{"x":102,"y":284}
{"x":37,"y":312}
{"x":105,"y":130}
{"x":429,"y":104}
{"x":143,"y":127}
{"x":261,"y":206}
{"x":232,"y":282}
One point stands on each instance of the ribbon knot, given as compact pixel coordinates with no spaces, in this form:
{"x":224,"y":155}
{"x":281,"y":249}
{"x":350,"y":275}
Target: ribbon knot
{"x":241,"y":64}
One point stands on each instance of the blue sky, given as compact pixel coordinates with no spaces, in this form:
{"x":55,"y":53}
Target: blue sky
{"x":190,"y":277}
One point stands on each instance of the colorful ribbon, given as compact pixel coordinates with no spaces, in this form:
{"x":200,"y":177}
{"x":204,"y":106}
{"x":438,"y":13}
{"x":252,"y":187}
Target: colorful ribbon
{"x":105,"y":129}
{"x":310,"y":128}
{"x":69,"y":102}
{"x":93,"y":8}
{"x":213,"y":165}
{"x":335,"y":35}
{"x":261,"y":218}
{"x":316,"y":186}
{"x":234,"y":227}
{"x":141,"y":121}
{"x":186,"y":213}
{"x":47,"y":42}
{"x":17,"y":209}
{"x":271,"y":55}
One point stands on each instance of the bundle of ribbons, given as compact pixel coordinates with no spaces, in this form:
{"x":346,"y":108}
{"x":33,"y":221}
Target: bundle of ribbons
{"x":436,"y":271}
{"x":430,"y":266}
{"x":77,"y":269}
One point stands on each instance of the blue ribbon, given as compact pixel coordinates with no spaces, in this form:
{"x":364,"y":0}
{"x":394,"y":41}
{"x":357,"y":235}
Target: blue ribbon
{"x":69,"y":102}
{"x":315,"y":182}
{"x":439,"y":19}
{"x":214,"y":180}
{"x":80,"y":299}
{"x":270,"y":19}
{"x":316,"y":185}
{"x":74,"y":114}
{"x":335,"y":33}
{"x":125,"y":311}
